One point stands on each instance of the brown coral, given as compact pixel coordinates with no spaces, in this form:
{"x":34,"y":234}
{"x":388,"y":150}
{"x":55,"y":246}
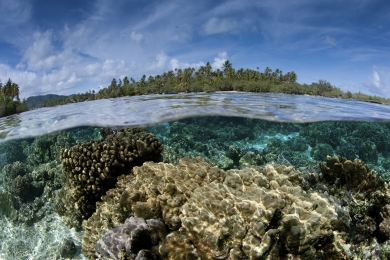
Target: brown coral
{"x":351,"y":175}
{"x":242,"y":214}
{"x":11,"y":171}
{"x":92,"y":169}
{"x":21,"y":187}
{"x":369,"y":196}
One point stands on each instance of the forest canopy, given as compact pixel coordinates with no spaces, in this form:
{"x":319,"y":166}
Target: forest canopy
{"x":9,"y":99}
{"x":204,"y":79}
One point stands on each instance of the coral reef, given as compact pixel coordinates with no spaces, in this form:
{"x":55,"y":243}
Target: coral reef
{"x":47,"y":148}
{"x":367,"y":197}
{"x":338,"y":210}
{"x":354,"y":176}
{"x":17,"y":180}
{"x":13,"y":170}
{"x":275,"y":146}
{"x":351,"y":139}
{"x":27,"y":187}
{"x":67,"y":248}
{"x":92,"y":168}
{"x":21,"y":187}
{"x":249,"y":213}
{"x":251,"y":158}
{"x":177,"y":245}
{"x":12,"y":151}
{"x":320,"y":151}
{"x":256,"y":210}
{"x":7,"y":206}
{"x":297,"y":143}
{"x":235,"y":154}
{"x":109,"y":214}
{"x":134,"y":238}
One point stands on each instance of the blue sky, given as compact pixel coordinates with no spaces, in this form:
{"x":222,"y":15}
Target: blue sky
{"x":66,"y":47}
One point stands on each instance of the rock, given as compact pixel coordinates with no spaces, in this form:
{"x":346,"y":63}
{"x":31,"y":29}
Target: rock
{"x":132,"y":239}
{"x":67,"y":248}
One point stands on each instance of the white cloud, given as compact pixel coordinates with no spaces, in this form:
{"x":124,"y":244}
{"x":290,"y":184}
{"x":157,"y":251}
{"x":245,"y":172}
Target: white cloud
{"x":137,"y":37}
{"x":40,"y":55}
{"x":377,"y":83}
{"x":215,"y":25}
{"x":28,"y":81}
{"x":91,"y":69}
{"x":164,"y":62}
{"x":179,"y":65}
{"x":160,"y":63}
{"x":174,"y":64}
{"x":78,"y":37}
{"x":220,"y":60}
{"x":113,"y":69}
{"x":378,"y":79}
{"x":375,"y":79}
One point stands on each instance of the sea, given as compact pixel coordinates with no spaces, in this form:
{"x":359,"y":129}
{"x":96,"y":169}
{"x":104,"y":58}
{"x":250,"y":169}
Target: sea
{"x":230,"y":131}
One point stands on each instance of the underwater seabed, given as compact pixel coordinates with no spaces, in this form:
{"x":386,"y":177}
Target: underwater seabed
{"x":204,"y":187}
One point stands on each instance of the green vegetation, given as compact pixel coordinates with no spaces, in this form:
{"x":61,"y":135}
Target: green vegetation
{"x":35,"y":101}
{"x":9,"y":99}
{"x":206,"y":80}
{"x":190,"y":80}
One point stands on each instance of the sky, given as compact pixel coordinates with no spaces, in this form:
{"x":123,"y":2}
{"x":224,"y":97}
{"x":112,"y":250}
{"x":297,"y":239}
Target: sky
{"x":72,"y":46}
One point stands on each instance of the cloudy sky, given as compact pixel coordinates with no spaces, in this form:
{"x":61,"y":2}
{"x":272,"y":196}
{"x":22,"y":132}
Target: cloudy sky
{"x":71,"y":46}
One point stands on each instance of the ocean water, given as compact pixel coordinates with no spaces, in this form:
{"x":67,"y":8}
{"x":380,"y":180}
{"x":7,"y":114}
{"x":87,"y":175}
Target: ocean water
{"x":231,"y":131}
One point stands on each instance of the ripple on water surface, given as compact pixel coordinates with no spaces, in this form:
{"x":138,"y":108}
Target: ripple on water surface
{"x":154,"y":109}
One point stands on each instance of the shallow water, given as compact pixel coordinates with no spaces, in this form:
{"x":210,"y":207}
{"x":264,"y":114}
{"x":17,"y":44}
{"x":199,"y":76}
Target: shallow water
{"x":230,"y":130}
{"x":154,"y":109}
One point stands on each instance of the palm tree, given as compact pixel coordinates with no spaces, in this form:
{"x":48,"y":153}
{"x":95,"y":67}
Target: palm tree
{"x":7,"y":89}
{"x":267,"y":73}
{"x":293,"y":77}
{"x":227,"y":67}
{"x":208,"y":69}
{"x":15,"y":92}
{"x":240,"y":73}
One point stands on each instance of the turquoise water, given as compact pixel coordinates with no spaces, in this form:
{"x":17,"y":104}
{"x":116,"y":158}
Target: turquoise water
{"x":234,"y":132}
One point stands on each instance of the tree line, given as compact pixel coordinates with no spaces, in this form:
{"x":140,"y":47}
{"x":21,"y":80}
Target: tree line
{"x":205,"y":79}
{"x":9,"y":99}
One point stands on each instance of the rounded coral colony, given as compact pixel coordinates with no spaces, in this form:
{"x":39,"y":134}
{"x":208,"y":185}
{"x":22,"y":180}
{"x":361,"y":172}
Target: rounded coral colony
{"x":92,"y":168}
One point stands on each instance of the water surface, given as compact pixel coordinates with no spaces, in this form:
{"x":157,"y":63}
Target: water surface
{"x":154,"y":109}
